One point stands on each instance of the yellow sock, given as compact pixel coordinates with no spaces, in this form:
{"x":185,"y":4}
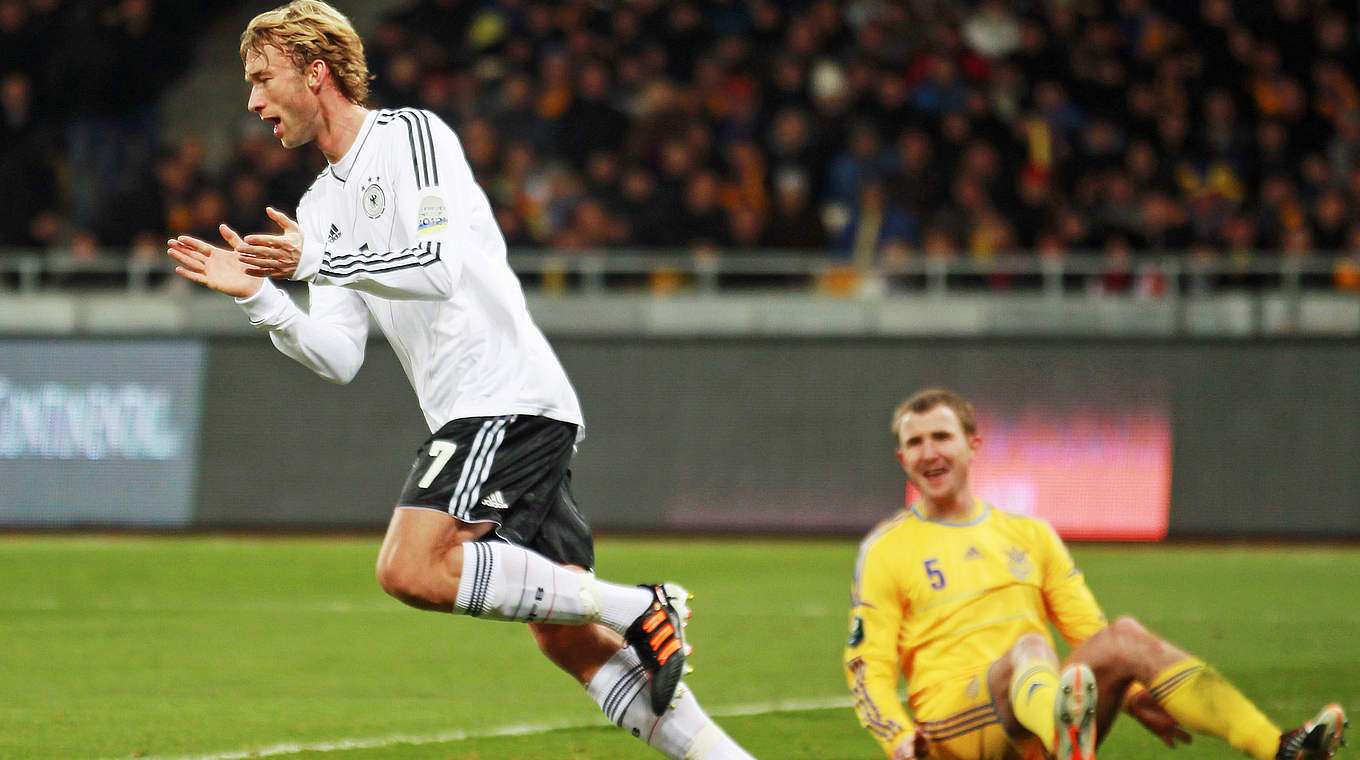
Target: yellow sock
{"x":1033,"y":694}
{"x":1203,"y":701}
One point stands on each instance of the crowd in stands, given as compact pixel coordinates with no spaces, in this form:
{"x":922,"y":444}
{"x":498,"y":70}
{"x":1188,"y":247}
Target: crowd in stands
{"x":79,"y":84}
{"x":870,"y":130}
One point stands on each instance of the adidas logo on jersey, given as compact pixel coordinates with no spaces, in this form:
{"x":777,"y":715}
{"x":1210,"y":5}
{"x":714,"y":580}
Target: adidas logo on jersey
{"x":972,"y":553}
{"x":333,"y":235}
{"x":495,"y":501}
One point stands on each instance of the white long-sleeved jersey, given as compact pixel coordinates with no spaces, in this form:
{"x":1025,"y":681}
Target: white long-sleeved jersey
{"x":399,"y":230}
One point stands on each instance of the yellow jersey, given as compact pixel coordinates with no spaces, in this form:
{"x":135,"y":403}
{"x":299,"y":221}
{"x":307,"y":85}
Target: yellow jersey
{"x":938,"y":601}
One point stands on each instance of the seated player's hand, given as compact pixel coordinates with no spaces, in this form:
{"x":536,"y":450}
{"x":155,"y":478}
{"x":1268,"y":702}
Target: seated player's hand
{"x":1156,"y":720}
{"x":271,"y":255}
{"x":912,"y":747}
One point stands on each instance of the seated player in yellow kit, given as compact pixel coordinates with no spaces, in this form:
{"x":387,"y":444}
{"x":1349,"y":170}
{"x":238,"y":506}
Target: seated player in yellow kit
{"x":957,"y":596}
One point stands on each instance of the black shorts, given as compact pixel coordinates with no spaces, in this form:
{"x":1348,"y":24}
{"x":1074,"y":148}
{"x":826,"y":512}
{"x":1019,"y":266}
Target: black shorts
{"x":513,"y":471}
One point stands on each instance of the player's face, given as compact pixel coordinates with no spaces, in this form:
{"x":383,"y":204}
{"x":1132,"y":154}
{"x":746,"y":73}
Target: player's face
{"x":281,"y":94}
{"x":936,"y":452}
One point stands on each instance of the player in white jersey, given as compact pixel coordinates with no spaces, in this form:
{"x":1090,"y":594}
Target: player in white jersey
{"x":397,"y":231}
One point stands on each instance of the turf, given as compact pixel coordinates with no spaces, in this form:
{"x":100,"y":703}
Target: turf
{"x":118,"y":647}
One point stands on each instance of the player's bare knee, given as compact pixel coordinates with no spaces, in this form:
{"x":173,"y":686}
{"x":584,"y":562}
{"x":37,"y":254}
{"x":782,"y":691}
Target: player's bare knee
{"x":1031,"y":642}
{"x":1033,"y":646}
{"x":410,"y":584}
{"x":1128,"y":631}
{"x":1118,"y":650}
{"x":393,"y":578}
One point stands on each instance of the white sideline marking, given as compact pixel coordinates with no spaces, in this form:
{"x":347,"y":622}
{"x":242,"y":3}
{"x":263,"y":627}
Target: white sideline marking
{"x":525,"y":729}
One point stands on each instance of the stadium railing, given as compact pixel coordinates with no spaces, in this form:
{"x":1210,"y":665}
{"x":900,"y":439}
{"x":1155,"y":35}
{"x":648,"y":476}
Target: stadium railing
{"x":1153,"y":275}
{"x":619,"y":291}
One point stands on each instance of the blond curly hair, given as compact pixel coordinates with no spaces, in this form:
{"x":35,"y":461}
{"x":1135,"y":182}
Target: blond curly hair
{"x":308,"y":30}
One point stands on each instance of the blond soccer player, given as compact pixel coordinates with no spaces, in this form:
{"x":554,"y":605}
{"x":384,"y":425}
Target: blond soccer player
{"x":957,"y":597}
{"x":396,"y":232}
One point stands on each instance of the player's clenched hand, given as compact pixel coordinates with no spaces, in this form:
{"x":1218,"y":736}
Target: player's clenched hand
{"x":912,"y":747}
{"x":1156,"y":719}
{"x":272,"y":255}
{"x":216,"y":268}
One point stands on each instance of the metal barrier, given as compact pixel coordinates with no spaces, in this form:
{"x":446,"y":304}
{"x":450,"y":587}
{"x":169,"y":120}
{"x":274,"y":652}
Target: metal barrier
{"x":634,"y":293}
{"x":1151,"y":275}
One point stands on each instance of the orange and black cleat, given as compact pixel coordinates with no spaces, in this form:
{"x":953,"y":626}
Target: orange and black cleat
{"x":1074,"y":715}
{"x":1318,"y":739}
{"x":658,"y":636}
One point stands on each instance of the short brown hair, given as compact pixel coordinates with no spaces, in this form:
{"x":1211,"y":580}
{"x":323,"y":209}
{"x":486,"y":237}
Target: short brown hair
{"x":308,"y":30}
{"x":928,"y":398}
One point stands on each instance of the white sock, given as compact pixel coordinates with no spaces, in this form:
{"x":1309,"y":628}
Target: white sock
{"x":506,"y":582}
{"x":621,"y":605}
{"x":685,"y":732}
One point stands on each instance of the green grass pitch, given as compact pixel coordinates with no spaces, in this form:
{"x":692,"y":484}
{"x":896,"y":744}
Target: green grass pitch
{"x":219,"y":647}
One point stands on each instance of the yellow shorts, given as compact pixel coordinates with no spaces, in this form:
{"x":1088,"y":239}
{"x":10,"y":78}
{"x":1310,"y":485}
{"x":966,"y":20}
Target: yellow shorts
{"x":962,"y":723}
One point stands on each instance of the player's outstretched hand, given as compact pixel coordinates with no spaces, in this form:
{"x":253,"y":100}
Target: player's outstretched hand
{"x":272,"y":255}
{"x":1156,"y":719}
{"x":208,"y":265}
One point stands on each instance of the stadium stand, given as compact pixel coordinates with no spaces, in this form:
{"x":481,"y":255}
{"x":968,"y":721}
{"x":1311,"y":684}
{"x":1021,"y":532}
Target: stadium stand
{"x":911,"y":134}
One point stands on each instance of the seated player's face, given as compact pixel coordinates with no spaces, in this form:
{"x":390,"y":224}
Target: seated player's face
{"x":279,"y":94}
{"x":935,"y":452}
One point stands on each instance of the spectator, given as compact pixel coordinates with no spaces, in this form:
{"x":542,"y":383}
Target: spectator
{"x":747,"y":230}
{"x":1165,"y":227}
{"x":512,"y":112}
{"x":940,"y":92}
{"x":795,"y":223}
{"x":1343,"y":152}
{"x":1033,"y":215}
{"x":1241,"y":244}
{"x":1331,"y":216}
{"x":27,"y":165}
{"x":786,"y":89}
{"x":206,"y":210}
{"x":1203,"y":269}
{"x":590,"y":227}
{"x":792,"y":144}
{"x":1297,"y":242}
{"x":245,"y":203}
{"x":862,"y":160}
{"x":1278,"y":210}
{"x":1116,"y":278}
{"x":17,"y":44}
{"x":602,"y":175}
{"x":652,"y":223}
{"x":992,"y":30}
{"x":1152,"y":125}
{"x":747,"y":177}
{"x":938,"y":245}
{"x":874,"y":222}
{"x":990,"y":237}
{"x":1143,"y":166}
{"x":481,"y":145}
{"x":916,"y":180}
{"x":1346,"y":270}
{"x":702,"y":222}
{"x":591,"y":122}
